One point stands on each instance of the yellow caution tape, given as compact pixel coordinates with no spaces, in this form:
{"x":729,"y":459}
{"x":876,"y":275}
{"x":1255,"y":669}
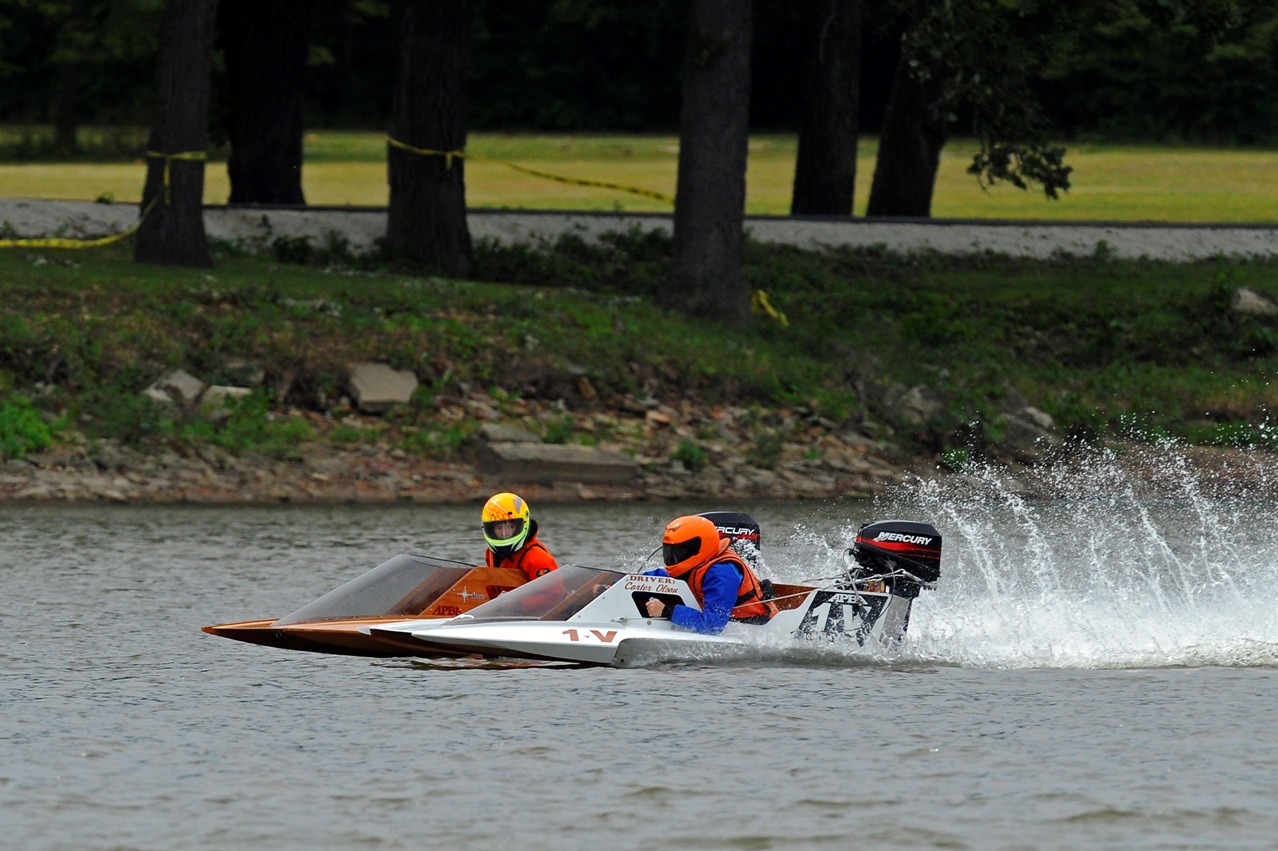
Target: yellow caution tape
{"x":449,"y":156}
{"x":168,"y":165}
{"x":760,"y":303}
{"x":57,"y":242}
{"x":60,"y":242}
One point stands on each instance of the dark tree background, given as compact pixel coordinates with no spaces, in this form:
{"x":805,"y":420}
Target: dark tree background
{"x":427,"y":215}
{"x":825,"y":166}
{"x":1125,"y":70}
{"x":264,"y":49}
{"x":910,"y":143}
{"x":709,"y":212}
{"x":172,"y":229}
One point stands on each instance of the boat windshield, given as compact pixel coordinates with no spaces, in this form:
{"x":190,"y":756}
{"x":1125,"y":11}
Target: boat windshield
{"x":556,"y":596}
{"x":405,"y":585}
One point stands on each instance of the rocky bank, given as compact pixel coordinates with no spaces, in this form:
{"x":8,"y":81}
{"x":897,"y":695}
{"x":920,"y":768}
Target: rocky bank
{"x":634,"y":444}
{"x":630,"y":452}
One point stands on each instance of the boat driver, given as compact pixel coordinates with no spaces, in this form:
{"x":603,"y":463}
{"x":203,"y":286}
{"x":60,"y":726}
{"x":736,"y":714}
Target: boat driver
{"x":511,"y":534}
{"x":722,"y":582}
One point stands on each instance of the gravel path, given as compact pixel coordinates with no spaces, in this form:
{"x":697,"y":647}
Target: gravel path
{"x":362,"y":226}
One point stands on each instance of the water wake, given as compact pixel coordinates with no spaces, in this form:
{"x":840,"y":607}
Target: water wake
{"x":1112,"y":571}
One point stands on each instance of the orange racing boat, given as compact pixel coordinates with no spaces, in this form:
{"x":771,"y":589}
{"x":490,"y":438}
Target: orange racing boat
{"x":407,"y":586}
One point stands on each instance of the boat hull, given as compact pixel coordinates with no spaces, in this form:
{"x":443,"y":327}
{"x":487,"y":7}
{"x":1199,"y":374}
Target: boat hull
{"x":606,"y":631}
{"x":405,"y":586}
{"x":340,"y":637}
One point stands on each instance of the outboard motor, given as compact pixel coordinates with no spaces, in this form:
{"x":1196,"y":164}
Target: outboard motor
{"x":898,"y":546}
{"x":741,"y":529}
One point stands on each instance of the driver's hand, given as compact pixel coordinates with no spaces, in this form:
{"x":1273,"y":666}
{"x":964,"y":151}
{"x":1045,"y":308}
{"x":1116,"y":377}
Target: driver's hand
{"x":655,"y":607}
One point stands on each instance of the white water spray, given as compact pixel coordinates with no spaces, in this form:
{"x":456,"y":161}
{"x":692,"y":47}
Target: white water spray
{"x":1112,"y":571}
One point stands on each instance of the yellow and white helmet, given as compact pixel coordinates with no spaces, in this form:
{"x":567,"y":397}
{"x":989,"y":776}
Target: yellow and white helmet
{"x":506,"y":523}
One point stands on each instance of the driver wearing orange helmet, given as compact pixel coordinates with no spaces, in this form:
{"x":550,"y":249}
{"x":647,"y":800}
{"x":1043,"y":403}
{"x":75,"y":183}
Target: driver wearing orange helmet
{"x":511,"y":534}
{"x":722,"y":582}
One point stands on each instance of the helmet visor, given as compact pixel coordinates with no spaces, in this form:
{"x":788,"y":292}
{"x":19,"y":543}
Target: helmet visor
{"x":505,"y":531}
{"x":675,"y":553}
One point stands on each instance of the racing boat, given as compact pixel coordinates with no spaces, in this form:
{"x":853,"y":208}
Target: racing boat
{"x":596,"y":616}
{"x":407,"y":586}
{"x":412,"y":586}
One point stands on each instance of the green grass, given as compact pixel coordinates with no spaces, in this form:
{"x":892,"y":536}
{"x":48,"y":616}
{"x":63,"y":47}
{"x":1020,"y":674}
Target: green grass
{"x":1101,"y":345}
{"x":1110,"y":182}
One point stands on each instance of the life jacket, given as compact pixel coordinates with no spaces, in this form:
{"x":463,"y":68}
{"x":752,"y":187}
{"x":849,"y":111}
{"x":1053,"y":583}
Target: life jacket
{"x":532,"y":558}
{"x":751,"y":607}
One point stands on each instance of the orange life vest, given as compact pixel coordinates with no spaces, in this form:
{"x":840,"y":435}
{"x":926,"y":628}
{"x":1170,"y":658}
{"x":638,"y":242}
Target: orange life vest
{"x":750,"y":604}
{"x":532,"y":558}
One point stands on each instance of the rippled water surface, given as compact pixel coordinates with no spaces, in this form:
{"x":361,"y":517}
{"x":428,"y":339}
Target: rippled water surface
{"x":1097,"y":671}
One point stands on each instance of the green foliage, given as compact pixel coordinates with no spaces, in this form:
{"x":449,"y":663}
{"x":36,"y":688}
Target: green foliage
{"x":1238,"y":435}
{"x":634,"y":262}
{"x":836,"y":403}
{"x":692,"y":456}
{"x":765,"y":449}
{"x":345,"y":435}
{"x":957,"y":460}
{"x":1021,"y":164}
{"x":119,"y":413}
{"x":558,"y":429}
{"x":1197,"y":70}
{"x":242,"y":425}
{"x":438,"y":440}
{"x":1090,"y":341}
{"x":22,"y":428}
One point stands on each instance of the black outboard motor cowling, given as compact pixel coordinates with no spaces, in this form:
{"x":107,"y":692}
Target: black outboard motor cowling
{"x":886,"y":546}
{"x":741,"y":529}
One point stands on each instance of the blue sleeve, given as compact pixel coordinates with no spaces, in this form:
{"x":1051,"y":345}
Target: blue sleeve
{"x":661,"y":571}
{"x":719,"y":589}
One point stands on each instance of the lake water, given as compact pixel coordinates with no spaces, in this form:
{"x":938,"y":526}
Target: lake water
{"x":1092,"y":672}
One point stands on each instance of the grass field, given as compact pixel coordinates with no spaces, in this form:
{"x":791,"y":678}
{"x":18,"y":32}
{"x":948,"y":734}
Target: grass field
{"x":1127,"y":183}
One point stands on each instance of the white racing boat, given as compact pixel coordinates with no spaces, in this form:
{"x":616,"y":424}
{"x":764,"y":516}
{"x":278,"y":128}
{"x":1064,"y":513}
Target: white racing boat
{"x":597,"y":616}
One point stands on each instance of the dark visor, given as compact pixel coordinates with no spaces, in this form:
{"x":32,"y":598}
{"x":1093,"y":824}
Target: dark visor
{"x":675,"y":553}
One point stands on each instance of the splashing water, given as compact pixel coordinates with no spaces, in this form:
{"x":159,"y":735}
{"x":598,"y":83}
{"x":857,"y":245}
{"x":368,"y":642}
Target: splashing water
{"x":1113,"y":571}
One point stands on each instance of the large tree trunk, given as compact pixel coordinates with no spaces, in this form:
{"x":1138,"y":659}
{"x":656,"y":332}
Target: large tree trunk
{"x":172,"y":230}
{"x":909,"y":148}
{"x":427,"y":215}
{"x":265,"y":47}
{"x":825,"y":168}
{"x":705,"y":278}
{"x":66,"y":109}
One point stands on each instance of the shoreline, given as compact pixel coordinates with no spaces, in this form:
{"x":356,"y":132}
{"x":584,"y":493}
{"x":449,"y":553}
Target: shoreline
{"x":822,"y":464}
{"x":370,"y":476}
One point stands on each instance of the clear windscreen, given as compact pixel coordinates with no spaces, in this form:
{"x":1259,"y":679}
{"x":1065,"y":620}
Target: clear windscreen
{"x":555,"y":596}
{"x":406,"y":585}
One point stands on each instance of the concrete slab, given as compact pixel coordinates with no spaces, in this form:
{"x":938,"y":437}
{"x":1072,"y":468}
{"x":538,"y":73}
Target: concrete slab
{"x":176,"y":384}
{"x":550,"y":463}
{"x":506,"y":433}
{"x":376,"y":387}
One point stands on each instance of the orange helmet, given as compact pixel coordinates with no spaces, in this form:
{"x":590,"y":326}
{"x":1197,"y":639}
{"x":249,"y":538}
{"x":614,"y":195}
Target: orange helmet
{"x":689,"y":542}
{"x":506,"y":523}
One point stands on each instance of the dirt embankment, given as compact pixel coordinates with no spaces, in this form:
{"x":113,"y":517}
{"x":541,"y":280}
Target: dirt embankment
{"x":815,"y":460}
{"x":810,"y":458}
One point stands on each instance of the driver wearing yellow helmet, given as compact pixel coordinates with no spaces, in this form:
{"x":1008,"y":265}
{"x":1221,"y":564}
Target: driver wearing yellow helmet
{"x":511,"y":534}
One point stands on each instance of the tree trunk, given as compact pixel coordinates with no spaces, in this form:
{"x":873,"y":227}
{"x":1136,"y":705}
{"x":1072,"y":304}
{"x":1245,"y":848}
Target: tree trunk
{"x":66,"y":118}
{"x":909,"y":149}
{"x":705,"y":278}
{"x":265,"y":47}
{"x":427,"y":216}
{"x":825,"y":168}
{"x":172,"y":230}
